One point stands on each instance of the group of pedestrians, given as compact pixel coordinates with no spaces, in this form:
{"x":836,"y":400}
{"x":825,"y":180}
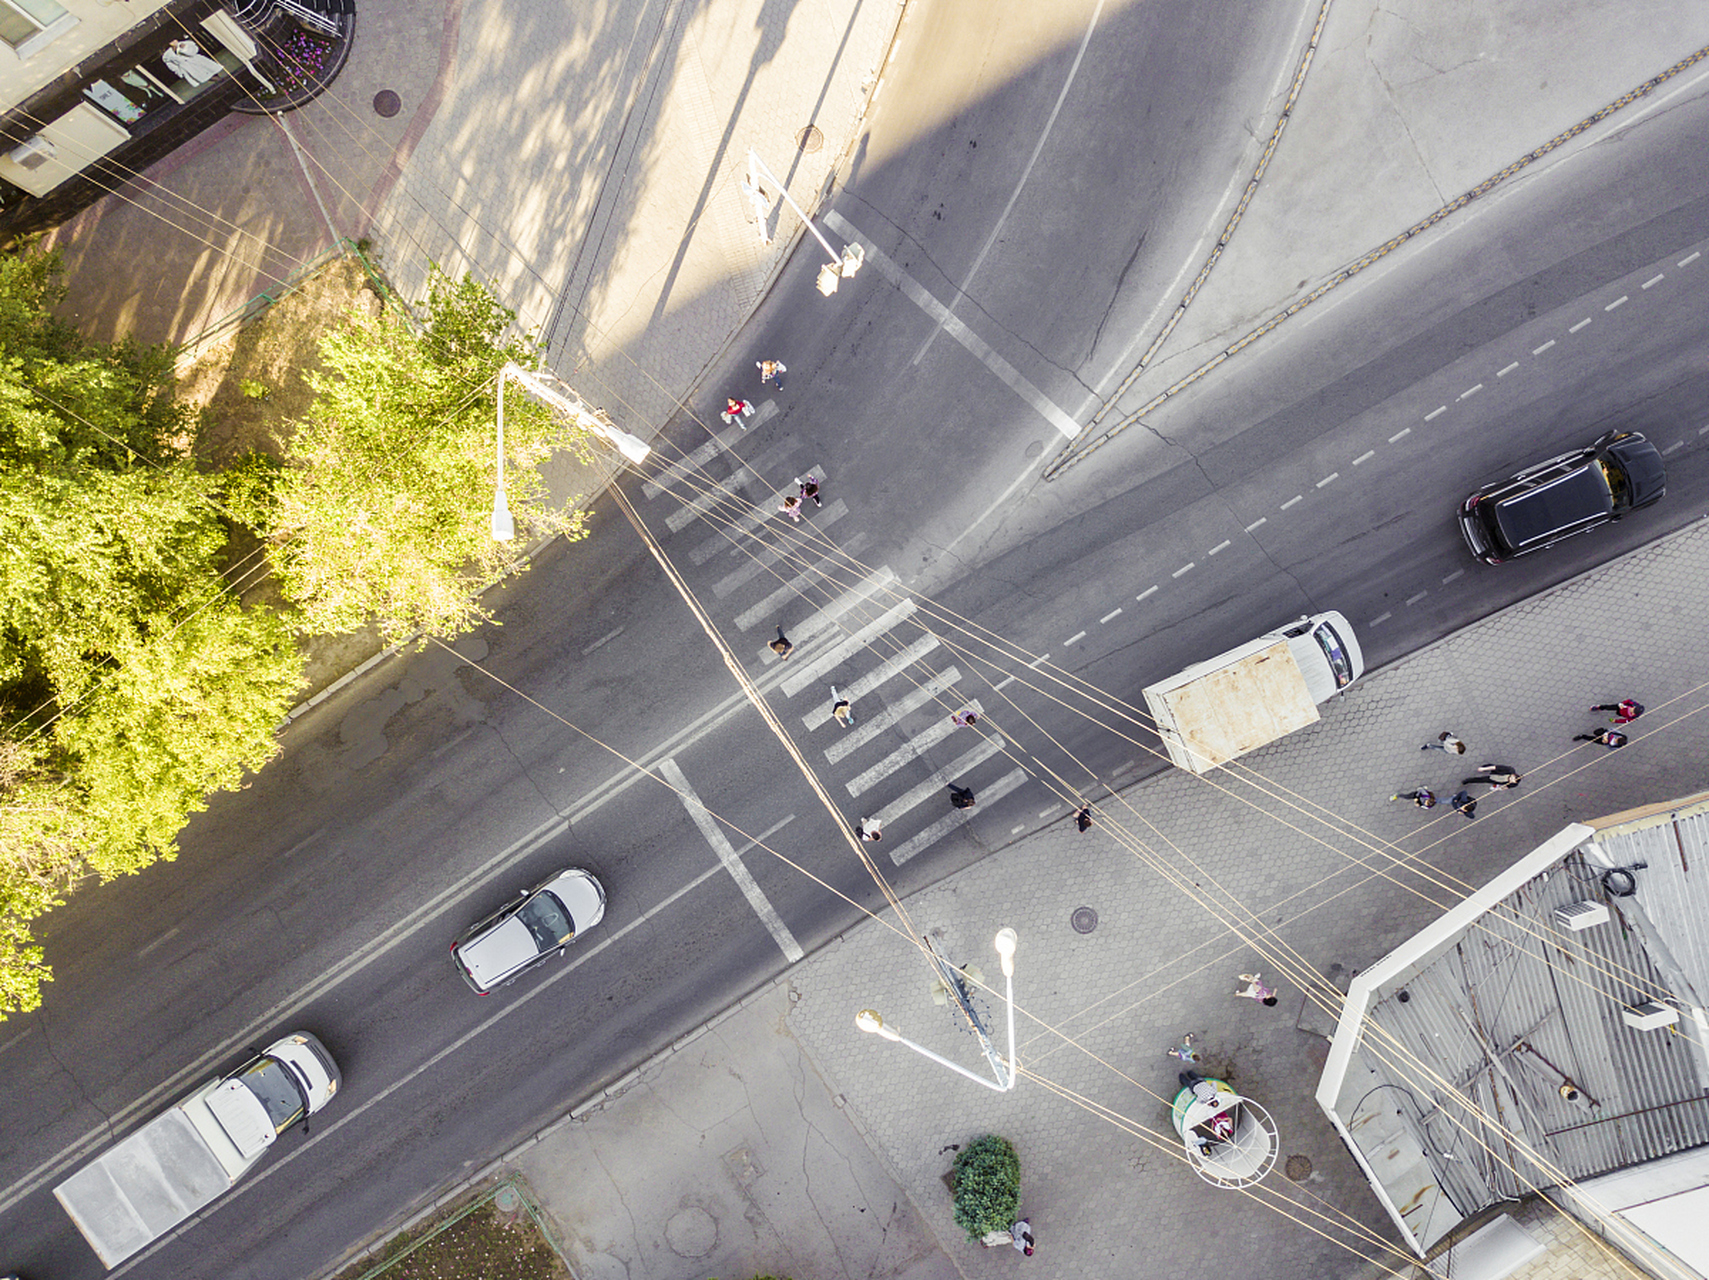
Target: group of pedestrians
{"x":1625,"y":711}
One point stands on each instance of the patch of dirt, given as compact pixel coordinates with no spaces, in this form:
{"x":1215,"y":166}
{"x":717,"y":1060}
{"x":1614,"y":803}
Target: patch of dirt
{"x":483,"y":1245}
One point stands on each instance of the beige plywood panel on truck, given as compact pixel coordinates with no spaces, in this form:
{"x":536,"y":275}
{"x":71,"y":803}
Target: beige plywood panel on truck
{"x":1209,"y":717}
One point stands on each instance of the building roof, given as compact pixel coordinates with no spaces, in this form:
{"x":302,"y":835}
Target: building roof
{"x":1494,"y":1053}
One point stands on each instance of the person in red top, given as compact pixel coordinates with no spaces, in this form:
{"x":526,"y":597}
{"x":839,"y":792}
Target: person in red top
{"x":1625,"y":711}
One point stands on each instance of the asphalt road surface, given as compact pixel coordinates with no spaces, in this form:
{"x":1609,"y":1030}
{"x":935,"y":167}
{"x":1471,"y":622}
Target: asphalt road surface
{"x":326,"y":894}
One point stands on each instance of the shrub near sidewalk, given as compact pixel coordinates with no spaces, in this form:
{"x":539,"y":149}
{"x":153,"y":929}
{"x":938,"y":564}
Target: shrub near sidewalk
{"x":987,"y":1176}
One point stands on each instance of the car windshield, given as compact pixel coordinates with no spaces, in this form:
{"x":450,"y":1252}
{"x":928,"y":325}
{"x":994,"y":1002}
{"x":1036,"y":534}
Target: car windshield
{"x":547,"y":921}
{"x":1336,"y":652}
{"x":277,"y":1089}
{"x":1618,"y":485}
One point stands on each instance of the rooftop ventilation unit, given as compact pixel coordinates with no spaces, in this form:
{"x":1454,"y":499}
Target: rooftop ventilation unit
{"x":33,"y":152}
{"x":1649,"y":1016}
{"x":1581,"y":915}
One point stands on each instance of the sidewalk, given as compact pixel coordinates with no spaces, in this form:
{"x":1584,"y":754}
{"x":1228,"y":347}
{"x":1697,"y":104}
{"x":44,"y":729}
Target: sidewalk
{"x":783,"y":1139}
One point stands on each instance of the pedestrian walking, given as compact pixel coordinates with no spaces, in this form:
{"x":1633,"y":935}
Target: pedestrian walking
{"x":1613,"y":739}
{"x":871,"y":830}
{"x":1422,"y":798}
{"x":792,"y":508}
{"x":1256,"y":990}
{"x":1463,"y":802}
{"x":771,"y":371}
{"x":1083,"y":819}
{"x":965,"y":719}
{"x":736,"y":410}
{"x":961,"y":797}
{"x":1625,"y":711}
{"x":1501,"y":777}
{"x":1446,"y":741}
{"x":809,"y":489}
{"x":1022,"y":1236}
{"x":1185,"y":1051}
{"x":842,"y":710}
{"x":781,"y":646}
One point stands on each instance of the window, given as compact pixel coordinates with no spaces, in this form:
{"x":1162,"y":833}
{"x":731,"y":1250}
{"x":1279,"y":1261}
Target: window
{"x":27,"y":25}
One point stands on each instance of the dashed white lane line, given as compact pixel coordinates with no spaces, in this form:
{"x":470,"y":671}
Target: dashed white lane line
{"x":1380,"y":619}
{"x":1365,"y":456}
{"x":1249,"y":528}
{"x":1581,"y":324}
{"x":1655,"y":279}
{"x":165,"y":937}
{"x":1415,"y":599}
{"x":1076,"y":638}
{"x":955,"y":328}
{"x":1017,"y":829}
{"x":1618,"y":302}
{"x":1221,"y":546}
{"x":1436,"y":413}
{"x":988,"y":794}
{"x":1458,"y":573}
{"x":1298,"y":497}
{"x":1469,"y":392}
{"x":1045,"y":813}
{"x":1186,"y":568}
{"x":1401,"y":434}
{"x":1510,"y":368}
{"x":1151,"y":590}
{"x":605,"y":639}
{"x":1702,"y":430}
{"x":1117,"y":612}
{"x":1331,"y":478}
{"x":1537,"y":351}
{"x":714,"y":836}
{"x":1686,"y":262}
{"x":1677,"y":444}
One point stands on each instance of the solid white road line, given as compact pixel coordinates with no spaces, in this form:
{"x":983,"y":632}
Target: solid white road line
{"x":956,"y":818}
{"x":953,"y":325}
{"x":938,"y":783}
{"x":869,"y":727}
{"x":823,"y":571}
{"x":813,"y":672}
{"x":906,"y":754}
{"x":758,"y":561}
{"x":715,"y":837}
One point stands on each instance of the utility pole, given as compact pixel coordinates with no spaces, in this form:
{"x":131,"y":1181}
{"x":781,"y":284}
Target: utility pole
{"x":841,"y":266}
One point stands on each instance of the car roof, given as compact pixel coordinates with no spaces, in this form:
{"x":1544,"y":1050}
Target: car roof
{"x":492,"y":956}
{"x":1536,"y":515}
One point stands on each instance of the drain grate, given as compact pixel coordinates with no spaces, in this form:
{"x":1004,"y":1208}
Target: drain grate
{"x":387,"y":103}
{"x":810,"y":139}
{"x":1084,"y":919}
{"x":1298,"y":1168}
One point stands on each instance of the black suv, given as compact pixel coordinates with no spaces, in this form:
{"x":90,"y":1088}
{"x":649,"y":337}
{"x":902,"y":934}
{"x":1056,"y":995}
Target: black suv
{"x":1570,"y":494}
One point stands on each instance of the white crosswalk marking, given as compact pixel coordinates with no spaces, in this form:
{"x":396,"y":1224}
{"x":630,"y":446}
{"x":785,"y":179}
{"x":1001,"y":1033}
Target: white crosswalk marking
{"x":938,"y":784}
{"x":733,"y":524}
{"x":823,"y":571}
{"x":874,"y":588}
{"x":720,"y":843}
{"x":908,"y":752}
{"x":692,"y":462}
{"x":869,"y":727}
{"x":794,"y":543}
{"x":924,"y":840}
{"x":813,"y":672}
{"x":696,"y":507}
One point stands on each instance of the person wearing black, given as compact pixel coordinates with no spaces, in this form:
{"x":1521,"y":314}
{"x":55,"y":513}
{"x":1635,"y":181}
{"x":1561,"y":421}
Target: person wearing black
{"x":961,"y":797}
{"x":1464,"y":803}
{"x":1610,"y":738}
{"x":1501,"y":777}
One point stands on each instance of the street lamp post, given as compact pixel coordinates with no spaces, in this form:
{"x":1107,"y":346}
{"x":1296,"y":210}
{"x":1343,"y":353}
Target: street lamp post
{"x":631,"y":447}
{"x":1005,"y":1071}
{"x":841,"y":266}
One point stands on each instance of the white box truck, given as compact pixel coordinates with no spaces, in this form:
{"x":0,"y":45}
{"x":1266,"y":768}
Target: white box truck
{"x":180,"y":1162}
{"x":1218,"y":710}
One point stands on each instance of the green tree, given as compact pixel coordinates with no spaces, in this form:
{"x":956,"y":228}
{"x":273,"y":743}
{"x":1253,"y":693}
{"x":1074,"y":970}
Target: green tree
{"x":382,"y":509}
{"x":987,"y":1176}
{"x":132,"y":682}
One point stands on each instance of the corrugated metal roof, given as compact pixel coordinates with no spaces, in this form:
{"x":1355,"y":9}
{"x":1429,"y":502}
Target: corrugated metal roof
{"x":1468,"y":1058}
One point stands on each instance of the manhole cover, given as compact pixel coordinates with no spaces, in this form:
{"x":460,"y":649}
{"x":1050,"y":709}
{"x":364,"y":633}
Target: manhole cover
{"x":1084,"y":919}
{"x":386,"y":103}
{"x":506,"y":1200}
{"x":810,"y":139}
{"x":691,"y":1233}
{"x":1298,"y":1168}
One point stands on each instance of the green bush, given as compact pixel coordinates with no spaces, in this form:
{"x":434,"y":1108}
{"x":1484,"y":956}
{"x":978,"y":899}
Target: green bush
{"x":987,"y":1176}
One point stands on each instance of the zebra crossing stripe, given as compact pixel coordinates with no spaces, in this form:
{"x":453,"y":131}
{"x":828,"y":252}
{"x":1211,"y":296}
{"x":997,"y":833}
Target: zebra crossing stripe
{"x":880,"y":583}
{"x":694,"y":508}
{"x":869,"y":727}
{"x":941,"y":778}
{"x":758,"y":561}
{"x":814,"y":671}
{"x":909,"y":751}
{"x":924,"y":840}
{"x":749,"y":516}
{"x":693,"y":462}
{"x":824,"y":571}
